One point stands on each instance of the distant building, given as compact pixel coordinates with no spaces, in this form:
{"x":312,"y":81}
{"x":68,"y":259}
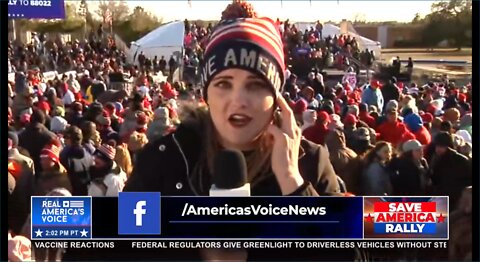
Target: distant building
{"x":391,"y":36}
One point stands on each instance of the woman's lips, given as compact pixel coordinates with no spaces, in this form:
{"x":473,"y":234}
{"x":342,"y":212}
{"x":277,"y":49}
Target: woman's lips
{"x":239,"y":120}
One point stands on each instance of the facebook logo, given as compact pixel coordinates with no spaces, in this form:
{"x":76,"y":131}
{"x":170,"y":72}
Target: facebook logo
{"x":138,"y":213}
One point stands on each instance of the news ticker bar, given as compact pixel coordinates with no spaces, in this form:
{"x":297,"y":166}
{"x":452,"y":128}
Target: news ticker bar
{"x":150,"y":216}
{"x":274,"y":250}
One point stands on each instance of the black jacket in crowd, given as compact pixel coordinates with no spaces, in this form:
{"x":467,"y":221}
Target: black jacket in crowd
{"x":34,"y":138}
{"x":409,"y":179}
{"x":451,"y":173}
{"x":175,"y":156}
{"x":390,"y":92}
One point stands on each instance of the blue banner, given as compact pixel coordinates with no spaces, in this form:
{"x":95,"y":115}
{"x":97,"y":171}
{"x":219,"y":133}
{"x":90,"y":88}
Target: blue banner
{"x":228,"y":217}
{"x":39,"y":9}
{"x":61,"y":217}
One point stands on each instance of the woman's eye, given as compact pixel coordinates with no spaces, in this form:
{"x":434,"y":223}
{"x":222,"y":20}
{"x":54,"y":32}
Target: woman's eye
{"x":222,"y":84}
{"x":256,"y":86}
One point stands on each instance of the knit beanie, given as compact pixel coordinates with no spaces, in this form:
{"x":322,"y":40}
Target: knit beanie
{"x":253,"y":44}
{"x":105,"y":152}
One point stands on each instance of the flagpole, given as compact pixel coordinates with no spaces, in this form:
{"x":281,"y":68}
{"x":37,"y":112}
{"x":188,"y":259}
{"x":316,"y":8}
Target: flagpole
{"x":111,"y":24}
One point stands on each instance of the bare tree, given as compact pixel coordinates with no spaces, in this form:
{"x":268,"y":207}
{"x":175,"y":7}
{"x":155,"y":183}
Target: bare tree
{"x":118,"y":9}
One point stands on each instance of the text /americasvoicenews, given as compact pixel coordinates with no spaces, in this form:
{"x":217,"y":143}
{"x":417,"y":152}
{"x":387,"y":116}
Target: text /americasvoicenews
{"x":256,"y":210}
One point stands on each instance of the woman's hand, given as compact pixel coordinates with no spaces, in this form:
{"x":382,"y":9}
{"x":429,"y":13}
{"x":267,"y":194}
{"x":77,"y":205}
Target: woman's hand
{"x":286,"y":145}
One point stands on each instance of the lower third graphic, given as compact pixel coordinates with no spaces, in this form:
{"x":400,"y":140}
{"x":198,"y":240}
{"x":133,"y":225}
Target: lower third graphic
{"x":61,"y":218}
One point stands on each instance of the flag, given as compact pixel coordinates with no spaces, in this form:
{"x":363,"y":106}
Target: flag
{"x":107,"y":18}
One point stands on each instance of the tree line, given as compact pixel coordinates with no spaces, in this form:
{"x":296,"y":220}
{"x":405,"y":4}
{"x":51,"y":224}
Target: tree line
{"x":449,"y":20}
{"x":129,"y":24}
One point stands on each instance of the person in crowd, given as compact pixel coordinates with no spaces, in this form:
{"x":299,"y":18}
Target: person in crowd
{"x":450,"y":171}
{"x":361,"y":143}
{"x":14,"y":154}
{"x":415,"y":125}
{"x":390,"y":91}
{"x":376,"y":178}
{"x":409,"y":171}
{"x":461,"y":221}
{"x":54,"y":174}
{"x":77,"y":161}
{"x":350,"y":125}
{"x":89,"y":129}
{"x":35,"y":137}
{"x":21,"y":169}
{"x":107,"y":178}
{"x":316,"y":82}
{"x":364,"y":115}
{"x":343,"y":158}
{"x":319,"y":130}
{"x":309,"y":96}
{"x":393,"y":130}
{"x":372,"y":95}
{"x":309,"y":119}
{"x":161,"y":124}
{"x":22,"y":101}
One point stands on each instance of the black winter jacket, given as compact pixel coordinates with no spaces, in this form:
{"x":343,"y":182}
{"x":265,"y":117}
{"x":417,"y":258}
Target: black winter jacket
{"x":165,"y":166}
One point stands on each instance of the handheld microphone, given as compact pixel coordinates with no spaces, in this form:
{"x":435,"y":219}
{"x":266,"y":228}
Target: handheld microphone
{"x":230,"y":174}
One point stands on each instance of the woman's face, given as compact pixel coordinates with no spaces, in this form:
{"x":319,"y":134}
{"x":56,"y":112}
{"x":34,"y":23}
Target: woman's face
{"x":241,"y":106}
{"x":385,"y":153}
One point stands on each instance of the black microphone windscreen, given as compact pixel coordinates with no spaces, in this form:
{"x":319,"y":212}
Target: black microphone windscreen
{"x":230,"y":169}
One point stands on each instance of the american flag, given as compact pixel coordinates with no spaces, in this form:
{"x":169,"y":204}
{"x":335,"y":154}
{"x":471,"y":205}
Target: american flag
{"x":107,"y":17}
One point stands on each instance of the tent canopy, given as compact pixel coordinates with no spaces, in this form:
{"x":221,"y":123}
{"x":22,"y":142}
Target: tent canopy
{"x":166,"y":40}
{"x":332,"y":30}
{"x":170,"y":34}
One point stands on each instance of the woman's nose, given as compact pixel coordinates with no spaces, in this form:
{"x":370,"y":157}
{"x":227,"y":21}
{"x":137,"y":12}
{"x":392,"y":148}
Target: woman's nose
{"x":240,"y":98}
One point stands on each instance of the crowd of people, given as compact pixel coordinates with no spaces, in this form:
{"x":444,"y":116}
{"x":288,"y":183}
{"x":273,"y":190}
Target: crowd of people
{"x":382,"y":139}
{"x":309,"y":47}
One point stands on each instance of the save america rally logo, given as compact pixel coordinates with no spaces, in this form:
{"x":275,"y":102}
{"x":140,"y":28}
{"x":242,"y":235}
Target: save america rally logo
{"x":406,"y":217}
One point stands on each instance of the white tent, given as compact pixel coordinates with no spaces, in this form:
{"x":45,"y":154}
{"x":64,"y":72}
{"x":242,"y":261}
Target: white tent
{"x":166,"y":40}
{"x":332,"y":30}
{"x":329,"y":29}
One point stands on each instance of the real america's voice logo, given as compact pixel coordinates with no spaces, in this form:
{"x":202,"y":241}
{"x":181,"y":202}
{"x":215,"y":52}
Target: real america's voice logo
{"x":139,"y":213}
{"x":406,"y":217}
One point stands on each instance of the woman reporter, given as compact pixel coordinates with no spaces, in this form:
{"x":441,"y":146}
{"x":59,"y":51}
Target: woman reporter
{"x":243,"y":76}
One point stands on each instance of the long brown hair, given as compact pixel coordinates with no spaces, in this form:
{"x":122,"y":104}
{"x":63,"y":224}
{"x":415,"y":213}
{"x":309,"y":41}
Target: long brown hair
{"x":372,"y":153}
{"x":258,"y":161}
